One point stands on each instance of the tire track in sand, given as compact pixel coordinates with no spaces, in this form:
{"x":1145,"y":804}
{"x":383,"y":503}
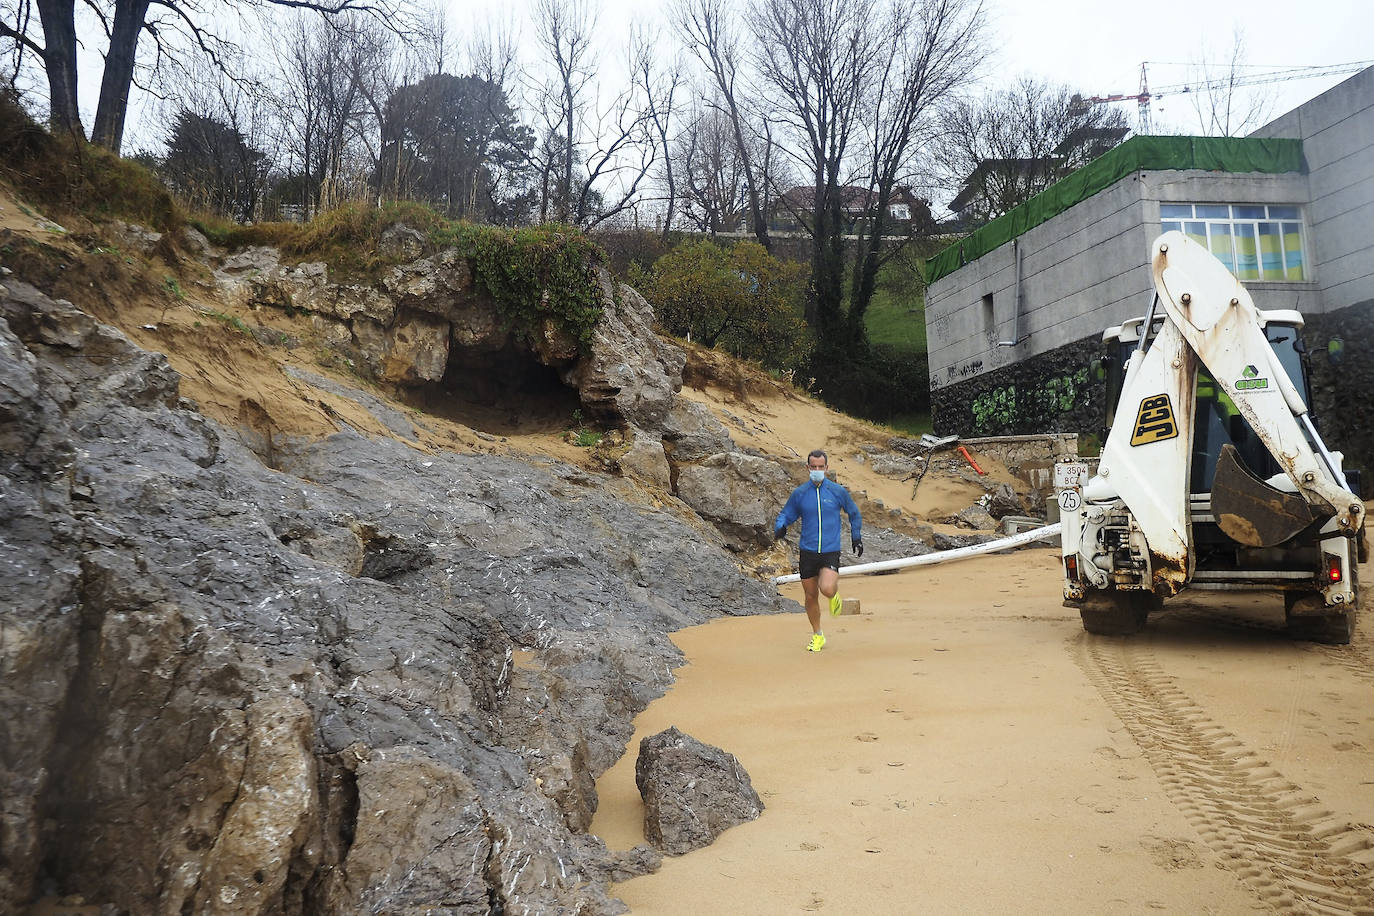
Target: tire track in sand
{"x":1357,"y":657}
{"x":1297,"y":856}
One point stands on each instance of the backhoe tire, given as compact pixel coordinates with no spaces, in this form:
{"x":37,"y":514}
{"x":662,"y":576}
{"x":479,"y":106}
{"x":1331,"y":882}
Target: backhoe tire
{"x":1116,"y":613}
{"x":1329,"y":629}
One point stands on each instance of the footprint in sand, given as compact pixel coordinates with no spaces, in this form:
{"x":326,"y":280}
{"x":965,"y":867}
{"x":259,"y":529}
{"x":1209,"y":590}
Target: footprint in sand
{"x":809,"y":847}
{"x":866,"y":736}
{"x":816,"y":903}
{"x":859,"y":803}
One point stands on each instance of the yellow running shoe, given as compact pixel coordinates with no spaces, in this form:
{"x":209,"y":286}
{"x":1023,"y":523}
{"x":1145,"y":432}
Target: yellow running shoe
{"x":835,"y":604}
{"x":817,"y":642}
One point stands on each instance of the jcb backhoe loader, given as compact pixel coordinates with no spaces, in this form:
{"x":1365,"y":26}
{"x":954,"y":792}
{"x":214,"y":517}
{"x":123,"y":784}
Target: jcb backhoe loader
{"x":1212,"y":475}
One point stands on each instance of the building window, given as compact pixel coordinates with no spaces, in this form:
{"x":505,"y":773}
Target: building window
{"x":1254,"y":241}
{"x":989,"y":317}
{"x":900,"y":211}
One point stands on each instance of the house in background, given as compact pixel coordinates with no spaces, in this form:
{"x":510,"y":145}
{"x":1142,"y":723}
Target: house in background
{"x":906,"y":213}
{"x":1015,"y":310}
{"x":998,"y":185}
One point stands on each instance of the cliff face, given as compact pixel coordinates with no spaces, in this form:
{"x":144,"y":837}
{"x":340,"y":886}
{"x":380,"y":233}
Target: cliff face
{"x":364,"y":679}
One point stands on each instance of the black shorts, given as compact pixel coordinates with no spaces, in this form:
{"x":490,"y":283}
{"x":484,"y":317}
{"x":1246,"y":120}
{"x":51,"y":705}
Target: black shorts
{"x":811,"y":563}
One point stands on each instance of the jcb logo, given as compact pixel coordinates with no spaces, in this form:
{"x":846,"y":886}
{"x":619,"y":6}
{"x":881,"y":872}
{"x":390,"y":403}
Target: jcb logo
{"x":1154,"y":422}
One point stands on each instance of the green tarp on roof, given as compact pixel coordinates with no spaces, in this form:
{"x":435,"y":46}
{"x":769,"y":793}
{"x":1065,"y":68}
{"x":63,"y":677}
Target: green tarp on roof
{"x":1216,"y":154}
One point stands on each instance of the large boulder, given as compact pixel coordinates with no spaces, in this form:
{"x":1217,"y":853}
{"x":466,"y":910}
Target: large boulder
{"x":631,"y":375}
{"x":645,"y":460}
{"x":693,"y":792}
{"x":741,"y":494}
{"x":691,"y":432}
{"x":976,"y":517}
{"x":416,"y":350}
{"x":1003,"y":501}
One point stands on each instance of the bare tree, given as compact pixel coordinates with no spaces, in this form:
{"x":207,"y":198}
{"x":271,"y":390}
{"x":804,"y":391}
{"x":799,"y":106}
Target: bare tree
{"x":1223,"y":107}
{"x":935,"y":50}
{"x":712,"y":190}
{"x":563,"y":30}
{"x":659,"y":86}
{"x":1011,"y":144}
{"x":595,"y":149}
{"x":855,"y":84}
{"x":712,"y":35}
{"x":333,"y":80}
{"x":173,"y":26}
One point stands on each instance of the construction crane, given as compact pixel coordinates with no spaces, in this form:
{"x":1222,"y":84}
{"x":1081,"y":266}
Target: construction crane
{"x":1143,"y":97}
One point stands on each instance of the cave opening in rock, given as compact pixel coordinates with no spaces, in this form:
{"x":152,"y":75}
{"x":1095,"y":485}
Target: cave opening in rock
{"x":502,"y":393}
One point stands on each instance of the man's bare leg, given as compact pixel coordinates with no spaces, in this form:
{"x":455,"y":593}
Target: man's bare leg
{"x":813,"y":605}
{"x":829,"y":582}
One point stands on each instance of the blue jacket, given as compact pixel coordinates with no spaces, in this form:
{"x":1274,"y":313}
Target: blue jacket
{"x":819,"y":507}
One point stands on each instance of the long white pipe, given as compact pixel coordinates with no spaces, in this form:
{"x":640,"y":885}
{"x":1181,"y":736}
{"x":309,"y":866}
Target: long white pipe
{"x":943,"y":556}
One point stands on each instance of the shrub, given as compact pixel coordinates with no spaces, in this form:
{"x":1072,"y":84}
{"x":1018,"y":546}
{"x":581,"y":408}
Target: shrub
{"x":741,"y":300}
{"x":888,"y":382}
{"x":535,"y":273}
{"x":69,"y":176}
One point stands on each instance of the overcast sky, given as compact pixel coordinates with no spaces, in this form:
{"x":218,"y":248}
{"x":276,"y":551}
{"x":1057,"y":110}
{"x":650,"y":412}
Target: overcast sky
{"x":1098,"y":47}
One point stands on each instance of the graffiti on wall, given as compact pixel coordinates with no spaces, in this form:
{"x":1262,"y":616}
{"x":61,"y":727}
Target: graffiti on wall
{"x":1002,"y":407}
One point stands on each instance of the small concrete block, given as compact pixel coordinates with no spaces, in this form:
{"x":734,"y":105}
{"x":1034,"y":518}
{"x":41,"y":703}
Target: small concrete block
{"x":849,"y":606}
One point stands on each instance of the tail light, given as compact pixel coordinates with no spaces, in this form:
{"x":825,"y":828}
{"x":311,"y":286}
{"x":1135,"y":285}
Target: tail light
{"x":1334,"y":572}
{"x":1071,"y":568}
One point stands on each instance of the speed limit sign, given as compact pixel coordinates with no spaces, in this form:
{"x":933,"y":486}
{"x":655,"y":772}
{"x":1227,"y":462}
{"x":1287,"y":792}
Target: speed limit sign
{"x":1070,"y":500}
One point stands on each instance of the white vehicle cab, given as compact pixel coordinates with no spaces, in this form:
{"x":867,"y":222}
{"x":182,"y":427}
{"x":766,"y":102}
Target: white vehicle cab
{"x":1212,"y":474}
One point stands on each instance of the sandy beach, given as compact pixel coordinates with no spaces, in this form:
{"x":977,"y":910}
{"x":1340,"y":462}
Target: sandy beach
{"x":963,"y":746}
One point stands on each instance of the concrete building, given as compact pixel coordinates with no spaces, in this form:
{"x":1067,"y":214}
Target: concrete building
{"x":1015,"y":311}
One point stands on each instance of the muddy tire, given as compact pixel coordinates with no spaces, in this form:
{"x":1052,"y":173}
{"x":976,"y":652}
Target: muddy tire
{"x":1114,"y":613}
{"x":1330,"y":629}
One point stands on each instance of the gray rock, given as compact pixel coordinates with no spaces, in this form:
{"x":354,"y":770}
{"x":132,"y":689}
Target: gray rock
{"x":135,"y":237}
{"x":438,"y":284}
{"x":900,"y":466}
{"x":339,"y":682}
{"x":1004,"y":502}
{"x":740,"y":493}
{"x":387,"y":415}
{"x":693,"y":792}
{"x":691,"y":432}
{"x":975,"y":517}
{"x":196,"y":242}
{"x":415,"y":350}
{"x":250,"y":262}
{"x":645,"y":461}
{"x":401,"y":241}
{"x":955,"y":541}
{"x":631,"y":375}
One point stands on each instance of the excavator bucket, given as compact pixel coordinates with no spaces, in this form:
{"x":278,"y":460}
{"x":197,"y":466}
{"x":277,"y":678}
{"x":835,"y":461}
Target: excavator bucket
{"x":1250,"y":511}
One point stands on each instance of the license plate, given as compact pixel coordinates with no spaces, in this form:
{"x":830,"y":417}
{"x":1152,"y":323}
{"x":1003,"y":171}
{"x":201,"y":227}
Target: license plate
{"x":1070,"y":475}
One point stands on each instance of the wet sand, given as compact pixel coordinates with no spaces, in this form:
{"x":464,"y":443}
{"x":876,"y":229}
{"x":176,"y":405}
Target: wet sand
{"x":962,"y":746}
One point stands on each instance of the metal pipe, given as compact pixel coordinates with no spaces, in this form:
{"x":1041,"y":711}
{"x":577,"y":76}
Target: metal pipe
{"x":1327,"y":458}
{"x":943,"y":556}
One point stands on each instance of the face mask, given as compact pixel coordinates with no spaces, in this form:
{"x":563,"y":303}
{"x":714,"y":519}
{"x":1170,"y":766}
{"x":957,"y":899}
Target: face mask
{"x":817,"y":475}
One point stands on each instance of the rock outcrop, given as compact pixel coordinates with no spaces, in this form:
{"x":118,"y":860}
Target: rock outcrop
{"x":740,"y":493}
{"x":364,"y":680}
{"x":426,"y":321}
{"x":693,"y":792}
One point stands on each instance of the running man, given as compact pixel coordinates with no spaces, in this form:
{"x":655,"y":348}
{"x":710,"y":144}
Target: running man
{"x":818,"y":503}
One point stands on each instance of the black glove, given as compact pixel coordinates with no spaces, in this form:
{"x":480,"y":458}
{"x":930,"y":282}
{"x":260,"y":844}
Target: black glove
{"x":779,"y":533}
{"x":858,"y":546}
